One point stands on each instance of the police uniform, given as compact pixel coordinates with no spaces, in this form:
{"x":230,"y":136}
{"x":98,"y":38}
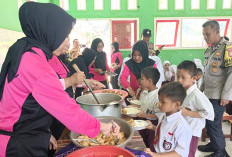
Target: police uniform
{"x":217,"y":85}
{"x":147,"y":33}
{"x":151,"y":49}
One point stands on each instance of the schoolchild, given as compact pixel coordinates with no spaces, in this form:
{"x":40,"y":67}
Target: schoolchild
{"x":173,"y":134}
{"x":196,"y":107}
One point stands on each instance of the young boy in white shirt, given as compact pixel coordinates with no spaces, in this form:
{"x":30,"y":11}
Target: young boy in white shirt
{"x":149,"y":96}
{"x":148,"y":100}
{"x":196,"y":106}
{"x":173,"y":134}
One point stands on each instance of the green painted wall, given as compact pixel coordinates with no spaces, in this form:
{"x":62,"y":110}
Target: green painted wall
{"x":9,"y":14}
{"x":146,"y":12}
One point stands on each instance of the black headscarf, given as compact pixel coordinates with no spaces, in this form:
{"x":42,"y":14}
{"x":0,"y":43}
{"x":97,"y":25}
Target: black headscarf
{"x":46,"y":26}
{"x":83,"y":61}
{"x":116,"y":47}
{"x":101,"y":56}
{"x":136,"y":68}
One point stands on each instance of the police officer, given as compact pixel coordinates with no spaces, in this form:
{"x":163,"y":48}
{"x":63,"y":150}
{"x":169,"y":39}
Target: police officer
{"x":146,"y":35}
{"x":216,"y":85}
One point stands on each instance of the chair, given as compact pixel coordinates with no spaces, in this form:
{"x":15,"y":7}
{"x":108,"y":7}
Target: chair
{"x":226,"y":116}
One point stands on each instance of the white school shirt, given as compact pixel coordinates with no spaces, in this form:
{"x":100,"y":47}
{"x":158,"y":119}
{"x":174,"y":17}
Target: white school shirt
{"x":197,"y":101}
{"x":175,"y":135}
{"x":167,"y":75}
{"x":149,"y":102}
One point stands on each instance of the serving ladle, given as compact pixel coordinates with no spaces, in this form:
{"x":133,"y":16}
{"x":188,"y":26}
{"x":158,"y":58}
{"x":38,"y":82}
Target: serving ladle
{"x":87,"y":84}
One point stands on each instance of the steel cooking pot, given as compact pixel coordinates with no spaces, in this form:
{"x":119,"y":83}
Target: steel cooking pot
{"x":110,"y":104}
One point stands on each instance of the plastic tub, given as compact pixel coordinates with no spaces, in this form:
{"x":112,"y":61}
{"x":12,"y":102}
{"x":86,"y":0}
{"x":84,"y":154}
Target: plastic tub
{"x":101,"y":151}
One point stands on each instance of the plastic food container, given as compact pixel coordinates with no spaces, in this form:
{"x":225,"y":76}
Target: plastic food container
{"x":101,"y":151}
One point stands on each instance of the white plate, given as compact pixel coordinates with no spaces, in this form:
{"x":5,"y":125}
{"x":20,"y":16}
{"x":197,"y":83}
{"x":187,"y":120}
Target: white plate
{"x":132,"y":111}
{"x":140,"y":124}
{"x":134,"y":101}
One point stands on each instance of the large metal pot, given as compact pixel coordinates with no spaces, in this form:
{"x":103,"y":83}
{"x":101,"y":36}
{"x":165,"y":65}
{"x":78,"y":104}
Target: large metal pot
{"x":124,"y":127}
{"x":110,"y":104}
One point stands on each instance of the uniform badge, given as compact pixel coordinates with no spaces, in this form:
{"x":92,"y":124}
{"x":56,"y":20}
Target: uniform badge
{"x":218,"y":53}
{"x":228,"y":56}
{"x":214,"y":63}
{"x":215,"y":70}
{"x":167,"y":145}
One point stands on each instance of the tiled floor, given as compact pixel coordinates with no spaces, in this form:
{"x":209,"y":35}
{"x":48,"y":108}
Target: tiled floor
{"x":226,"y":129}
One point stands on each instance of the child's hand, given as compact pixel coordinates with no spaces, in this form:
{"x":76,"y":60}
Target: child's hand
{"x":150,"y":126}
{"x":141,"y":114}
{"x":131,"y":92}
{"x":133,"y":106}
{"x":149,"y":152}
{"x":184,"y":111}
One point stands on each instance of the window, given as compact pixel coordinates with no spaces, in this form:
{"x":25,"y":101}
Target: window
{"x":211,"y":4}
{"x":163,"y":4}
{"x":179,"y":4}
{"x":64,"y":4}
{"x":226,"y":4}
{"x":166,"y":32}
{"x":132,"y":4}
{"x":98,"y":4}
{"x":115,"y":4}
{"x":125,"y":33}
{"x":189,"y":32}
{"x":192,"y":32}
{"x":195,"y":4}
{"x":224,"y":23}
{"x":81,"y":4}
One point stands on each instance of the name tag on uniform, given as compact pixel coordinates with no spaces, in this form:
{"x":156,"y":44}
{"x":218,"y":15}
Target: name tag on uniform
{"x":218,"y":53}
{"x":228,"y":56}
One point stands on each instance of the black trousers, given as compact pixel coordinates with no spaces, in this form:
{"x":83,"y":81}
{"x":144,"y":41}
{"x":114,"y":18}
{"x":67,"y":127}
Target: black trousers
{"x":214,"y":128}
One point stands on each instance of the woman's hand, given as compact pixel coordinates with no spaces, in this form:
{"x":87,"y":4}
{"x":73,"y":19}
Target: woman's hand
{"x":95,"y":84}
{"x":106,"y":128}
{"x":99,"y":71}
{"x":53,"y":143}
{"x":76,"y":78}
{"x":149,"y":152}
{"x":114,"y":66}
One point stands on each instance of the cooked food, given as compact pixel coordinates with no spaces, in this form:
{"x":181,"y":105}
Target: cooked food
{"x":120,"y":156}
{"x":102,"y":139}
{"x":140,"y":123}
{"x":132,"y":110}
{"x":135,"y":102}
{"x":132,"y":122}
{"x":124,"y":111}
{"x":112,"y":91}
